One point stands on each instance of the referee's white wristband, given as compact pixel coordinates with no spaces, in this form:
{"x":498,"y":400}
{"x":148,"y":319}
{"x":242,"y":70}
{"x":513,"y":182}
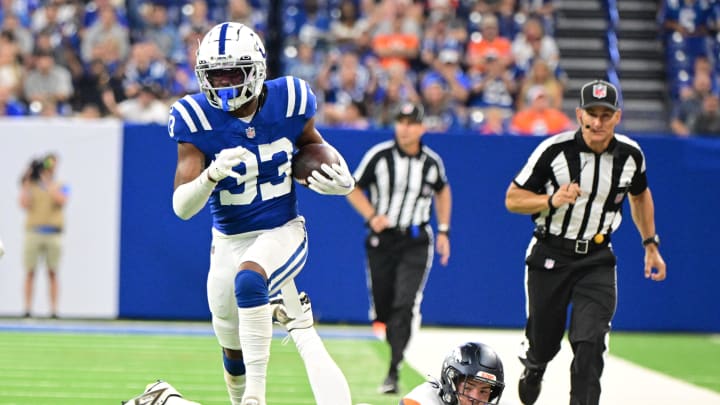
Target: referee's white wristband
{"x":443,"y":228}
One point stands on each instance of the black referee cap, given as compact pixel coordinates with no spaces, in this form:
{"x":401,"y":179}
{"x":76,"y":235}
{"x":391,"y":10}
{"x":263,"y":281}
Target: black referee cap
{"x":415,"y":112}
{"x":599,"y":93}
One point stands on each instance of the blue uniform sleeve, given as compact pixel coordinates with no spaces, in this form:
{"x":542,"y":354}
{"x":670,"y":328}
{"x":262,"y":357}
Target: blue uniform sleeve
{"x":290,"y":104}
{"x":190,"y":117}
{"x":301,"y":101}
{"x":178,"y":127}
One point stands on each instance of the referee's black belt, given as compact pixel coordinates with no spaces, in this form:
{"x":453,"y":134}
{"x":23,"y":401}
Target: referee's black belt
{"x":577,"y":246}
{"x":413,"y":230}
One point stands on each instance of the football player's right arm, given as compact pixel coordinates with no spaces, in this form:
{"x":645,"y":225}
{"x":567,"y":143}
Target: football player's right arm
{"x":193,"y":185}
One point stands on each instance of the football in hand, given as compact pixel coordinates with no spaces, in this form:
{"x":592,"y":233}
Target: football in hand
{"x":310,"y":157}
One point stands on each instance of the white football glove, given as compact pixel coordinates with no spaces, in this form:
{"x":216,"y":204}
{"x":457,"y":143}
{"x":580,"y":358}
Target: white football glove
{"x":224,"y":161}
{"x":159,"y":393}
{"x":341,"y":181}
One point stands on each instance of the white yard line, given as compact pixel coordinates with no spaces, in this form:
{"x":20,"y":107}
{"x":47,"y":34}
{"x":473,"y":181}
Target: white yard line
{"x":623,"y":383}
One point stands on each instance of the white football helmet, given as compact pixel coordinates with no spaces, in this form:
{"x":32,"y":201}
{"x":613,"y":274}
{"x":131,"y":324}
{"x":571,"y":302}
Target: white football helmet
{"x":230,"y":65}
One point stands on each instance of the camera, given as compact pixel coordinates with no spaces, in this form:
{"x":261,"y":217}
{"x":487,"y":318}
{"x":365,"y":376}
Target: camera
{"x":34,"y":170}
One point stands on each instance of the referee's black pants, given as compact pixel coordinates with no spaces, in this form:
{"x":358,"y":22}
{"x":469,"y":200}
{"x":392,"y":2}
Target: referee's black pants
{"x":588,"y":282}
{"x":398,"y":264}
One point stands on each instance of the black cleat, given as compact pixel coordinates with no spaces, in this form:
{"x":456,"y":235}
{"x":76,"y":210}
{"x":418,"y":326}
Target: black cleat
{"x":389,"y":386}
{"x":529,"y":385}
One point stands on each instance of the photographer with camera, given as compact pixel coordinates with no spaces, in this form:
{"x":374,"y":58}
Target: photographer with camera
{"x":43,"y":198}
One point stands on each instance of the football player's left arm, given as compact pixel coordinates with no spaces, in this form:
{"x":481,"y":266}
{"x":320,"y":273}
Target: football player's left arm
{"x":642,"y":209}
{"x":337,"y":179}
{"x":443,"y":207}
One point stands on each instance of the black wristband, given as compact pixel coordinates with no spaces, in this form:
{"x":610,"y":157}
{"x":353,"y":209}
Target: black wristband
{"x":447,"y":233}
{"x":655,"y":240}
{"x":550,"y":204}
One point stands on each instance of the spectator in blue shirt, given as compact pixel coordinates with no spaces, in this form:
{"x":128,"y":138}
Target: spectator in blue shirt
{"x":689,"y":19}
{"x":447,"y":70}
{"x":10,"y":107}
{"x":442,"y":114}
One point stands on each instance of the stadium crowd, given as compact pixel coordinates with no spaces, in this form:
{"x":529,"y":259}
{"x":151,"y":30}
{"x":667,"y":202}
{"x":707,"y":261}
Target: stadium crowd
{"x":690,"y":31}
{"x":484,"y":66}
{"x":487,"y":65}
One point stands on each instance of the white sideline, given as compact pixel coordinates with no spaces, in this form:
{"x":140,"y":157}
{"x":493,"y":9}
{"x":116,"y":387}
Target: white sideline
{"x":623,"y":383}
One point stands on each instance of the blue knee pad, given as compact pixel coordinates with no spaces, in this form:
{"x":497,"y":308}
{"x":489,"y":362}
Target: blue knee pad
{"x":234,"y":367}
{"x":251,"y":289}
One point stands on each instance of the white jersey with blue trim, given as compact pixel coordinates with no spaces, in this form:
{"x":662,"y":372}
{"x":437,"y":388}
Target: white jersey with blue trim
{"x":264,"y":197}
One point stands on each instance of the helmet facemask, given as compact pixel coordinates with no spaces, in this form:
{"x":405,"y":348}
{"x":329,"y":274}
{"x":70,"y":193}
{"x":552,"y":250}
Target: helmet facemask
{"x":230,"y":86}
{"x":465,"y":392}
{"x":230,"y":66}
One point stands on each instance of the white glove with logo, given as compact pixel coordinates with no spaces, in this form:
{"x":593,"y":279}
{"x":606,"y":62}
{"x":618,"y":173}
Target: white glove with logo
{"x":160,"y":393}
{"x":340,"y":181}
{"x":224,"y":161}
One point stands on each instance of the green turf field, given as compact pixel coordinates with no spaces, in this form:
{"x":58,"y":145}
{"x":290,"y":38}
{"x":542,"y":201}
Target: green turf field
{"x":48,"y":368}
{"x":692,"y":358}
{"x":91,"y":369}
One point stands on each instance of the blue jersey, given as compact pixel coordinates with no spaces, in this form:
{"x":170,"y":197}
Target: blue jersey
{"x":264,"y":197}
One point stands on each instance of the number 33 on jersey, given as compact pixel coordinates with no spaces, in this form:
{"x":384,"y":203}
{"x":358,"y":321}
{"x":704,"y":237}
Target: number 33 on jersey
{"x":264,"y":195}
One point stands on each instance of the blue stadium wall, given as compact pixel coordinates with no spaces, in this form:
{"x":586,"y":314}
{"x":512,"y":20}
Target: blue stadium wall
{"x":164,"y":260}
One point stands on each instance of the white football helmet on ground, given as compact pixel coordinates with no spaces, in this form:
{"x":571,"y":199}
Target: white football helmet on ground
{"x":230,"y":65}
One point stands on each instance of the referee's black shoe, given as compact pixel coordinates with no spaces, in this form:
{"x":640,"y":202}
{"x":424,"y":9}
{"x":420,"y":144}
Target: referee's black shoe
{"x":529,"y":385}
{"x":390,"y":385}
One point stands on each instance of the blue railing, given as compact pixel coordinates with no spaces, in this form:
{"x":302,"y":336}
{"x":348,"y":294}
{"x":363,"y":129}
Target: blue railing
{"x":613,"y":18}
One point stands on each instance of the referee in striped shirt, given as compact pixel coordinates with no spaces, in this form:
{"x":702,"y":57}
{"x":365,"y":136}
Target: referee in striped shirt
{"x":396,"y":183}
{"x":573,"y":186}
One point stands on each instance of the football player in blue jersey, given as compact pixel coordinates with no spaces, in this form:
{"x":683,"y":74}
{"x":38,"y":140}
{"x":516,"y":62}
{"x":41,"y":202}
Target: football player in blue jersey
{"x":235,"y":143}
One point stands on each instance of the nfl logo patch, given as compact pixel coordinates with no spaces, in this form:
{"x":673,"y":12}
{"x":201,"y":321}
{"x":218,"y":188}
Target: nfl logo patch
{"x":599,"y":91}
{"x":250,"y":132}
{"x":549,"y":263}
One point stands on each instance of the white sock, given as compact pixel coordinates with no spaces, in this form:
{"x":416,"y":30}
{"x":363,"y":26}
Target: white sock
{"x":235,"y":387}
{"x":328,"y":382}
{"x":255,"y":337}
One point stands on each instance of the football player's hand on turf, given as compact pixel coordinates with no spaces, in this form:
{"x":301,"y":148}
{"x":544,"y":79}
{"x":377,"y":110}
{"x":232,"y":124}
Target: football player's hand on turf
{"x":337,"y":180}
{"x":224,"y":162}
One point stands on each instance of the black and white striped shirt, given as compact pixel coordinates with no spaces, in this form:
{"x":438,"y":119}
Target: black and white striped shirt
{"x":605,"y":179}
{"x":400,"y":186}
